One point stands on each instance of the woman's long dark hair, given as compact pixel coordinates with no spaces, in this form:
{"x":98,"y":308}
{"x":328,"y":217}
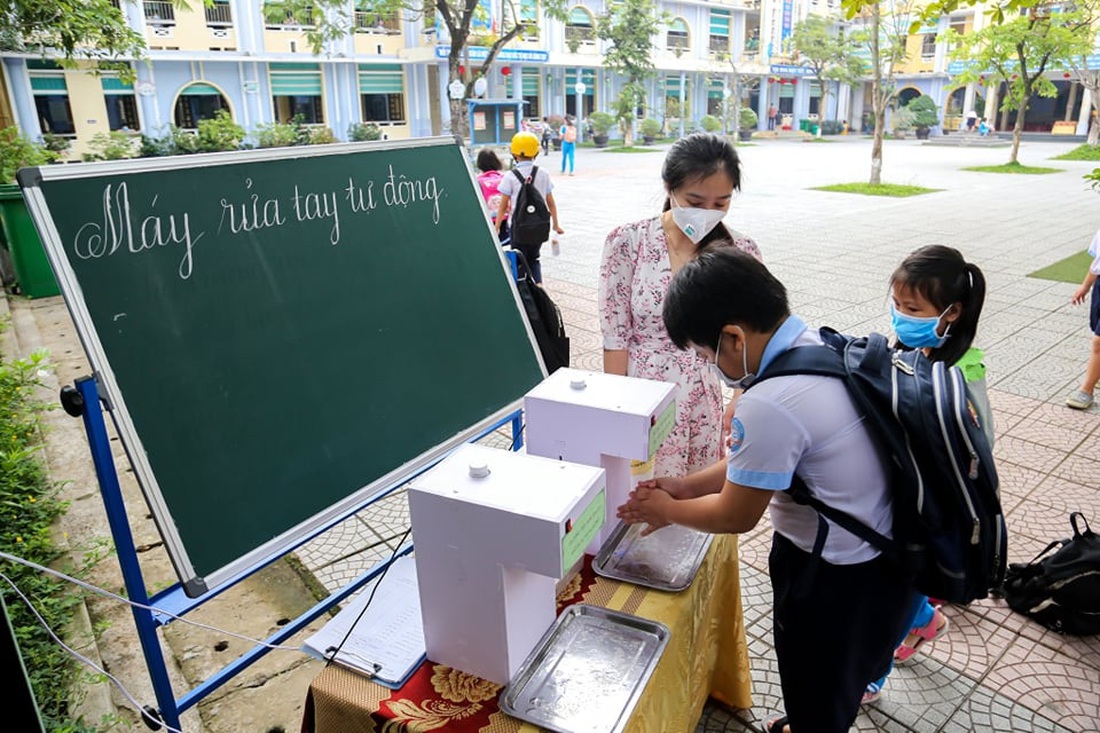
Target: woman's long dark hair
{"x":943,"y":278}
{"x":697,"y":156}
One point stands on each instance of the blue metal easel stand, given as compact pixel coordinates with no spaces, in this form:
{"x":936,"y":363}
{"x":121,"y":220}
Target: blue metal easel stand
{"x":100,"y":445}
{"x":84,"y":401}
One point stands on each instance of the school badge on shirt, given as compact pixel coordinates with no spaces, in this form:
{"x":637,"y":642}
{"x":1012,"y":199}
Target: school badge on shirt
{"x":737,"y":435}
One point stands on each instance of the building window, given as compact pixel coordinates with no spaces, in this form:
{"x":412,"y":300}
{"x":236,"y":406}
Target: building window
{"x":370,"y":20}
{"x":532,"y":108}
{"x":529,"y":14}
{"x":51,"y":101}
{"x":382,"y":94}
{"x":578,"y":27}
{"x":296,"y":91}
{"x":277,"y":16}
{"x":159,"y":12}
{"x":219,"y":14}
{"x":121,"y":103}
{"x":815,"y":98}
{"x":198,"y":102}
{"x":678,"y":38}
{"x":928,"y":46}
{"x":719,"y":31}
{"x":588,"y":99}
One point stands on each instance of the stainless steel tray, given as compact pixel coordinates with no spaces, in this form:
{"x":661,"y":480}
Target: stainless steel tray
{"x":587,"y":672}
{"x":666,"y":560}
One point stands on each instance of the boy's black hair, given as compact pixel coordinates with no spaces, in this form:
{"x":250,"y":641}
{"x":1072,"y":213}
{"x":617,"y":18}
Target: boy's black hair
{"x":487,"y":161}
{"x":943,"y":277}
{"x":696,"y":156}
{"x":722,"y":285}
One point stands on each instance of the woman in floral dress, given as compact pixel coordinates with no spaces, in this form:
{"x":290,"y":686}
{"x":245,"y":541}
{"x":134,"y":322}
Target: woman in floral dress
{"x":701,"y":174}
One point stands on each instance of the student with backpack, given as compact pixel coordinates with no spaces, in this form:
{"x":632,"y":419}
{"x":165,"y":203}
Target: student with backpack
{"x":489,"y":180}
{"x":936,"y":300}
{"x":527,"y":191}
{"x":728,"y":308}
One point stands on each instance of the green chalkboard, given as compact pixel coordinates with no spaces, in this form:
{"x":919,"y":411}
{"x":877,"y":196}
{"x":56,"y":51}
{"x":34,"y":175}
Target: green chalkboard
{"x":283,"y":333}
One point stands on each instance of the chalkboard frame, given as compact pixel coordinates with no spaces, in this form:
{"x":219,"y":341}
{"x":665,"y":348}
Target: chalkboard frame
{"x":194,"y":584}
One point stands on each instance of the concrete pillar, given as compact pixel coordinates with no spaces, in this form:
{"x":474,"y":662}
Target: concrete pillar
{"x":1071,"y":101}
{"x":22,"y":98}
{"x":1085,"y":113}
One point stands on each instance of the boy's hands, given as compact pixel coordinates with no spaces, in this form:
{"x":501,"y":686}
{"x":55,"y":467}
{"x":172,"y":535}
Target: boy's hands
{"x":649,"y":503}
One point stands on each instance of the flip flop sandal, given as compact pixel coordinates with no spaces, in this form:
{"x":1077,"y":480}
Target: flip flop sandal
{"x":872,"y":693}
{"x":929,"y":632}
{"x":776,"y":723}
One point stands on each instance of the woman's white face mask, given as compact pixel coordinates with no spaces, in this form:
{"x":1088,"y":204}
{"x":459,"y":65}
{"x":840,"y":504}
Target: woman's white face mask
{"x":695,"y":223}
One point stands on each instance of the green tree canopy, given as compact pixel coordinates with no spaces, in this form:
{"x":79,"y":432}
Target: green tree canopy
{"x":73,"y":29}
{"x":1019,"y":52}
{"x":629,"y":26}
{"x":829,"y":52}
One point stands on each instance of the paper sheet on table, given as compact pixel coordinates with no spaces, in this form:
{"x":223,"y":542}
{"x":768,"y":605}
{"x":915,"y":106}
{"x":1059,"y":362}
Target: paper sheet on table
{"x":387,"y":641}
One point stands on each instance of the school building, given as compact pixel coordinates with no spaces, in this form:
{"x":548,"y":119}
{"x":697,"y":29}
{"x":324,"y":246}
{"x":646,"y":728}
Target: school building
{"x":255,"y":61}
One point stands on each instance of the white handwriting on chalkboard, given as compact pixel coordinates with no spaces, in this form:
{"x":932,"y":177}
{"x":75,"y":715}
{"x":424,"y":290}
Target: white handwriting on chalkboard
{"x":95,"y":240}
{"x":250,"y":215}
{"x":310,"y":206}
{"x":355,"y":197}
{"x":401,"y":191}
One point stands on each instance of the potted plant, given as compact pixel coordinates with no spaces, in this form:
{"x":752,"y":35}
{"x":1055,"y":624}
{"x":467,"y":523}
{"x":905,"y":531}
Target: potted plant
{"x":925,"y":115}
{"x":30,"y":270}
{"x":650,"y":129}
{"x":710,"y":123}
{"x":747,"y":121}
{"x":901,"y":122}
{"x":601,"y":125}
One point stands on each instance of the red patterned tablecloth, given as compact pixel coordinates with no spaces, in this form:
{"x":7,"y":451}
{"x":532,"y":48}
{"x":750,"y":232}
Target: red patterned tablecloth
{"x":706,"y":655}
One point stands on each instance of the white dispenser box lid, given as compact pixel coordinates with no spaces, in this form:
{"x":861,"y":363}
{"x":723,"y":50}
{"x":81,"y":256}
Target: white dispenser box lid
{"x":519,"y":510}
{"x":626,"y":417}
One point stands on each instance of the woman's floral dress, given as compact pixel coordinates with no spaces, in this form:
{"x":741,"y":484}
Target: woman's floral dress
{"x":634,"y":276}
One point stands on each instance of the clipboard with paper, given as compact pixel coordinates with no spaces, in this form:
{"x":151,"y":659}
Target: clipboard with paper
{"x":382,"y":637}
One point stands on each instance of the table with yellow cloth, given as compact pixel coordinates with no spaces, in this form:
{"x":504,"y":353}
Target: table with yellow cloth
{"x":706,"y":655}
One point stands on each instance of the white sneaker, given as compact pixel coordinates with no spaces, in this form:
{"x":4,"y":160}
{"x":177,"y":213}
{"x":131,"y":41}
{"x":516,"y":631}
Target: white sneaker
{"x":1080,"y":400}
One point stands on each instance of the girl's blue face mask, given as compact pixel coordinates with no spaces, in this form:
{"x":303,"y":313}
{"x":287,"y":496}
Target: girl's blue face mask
{"x":916,"y":332}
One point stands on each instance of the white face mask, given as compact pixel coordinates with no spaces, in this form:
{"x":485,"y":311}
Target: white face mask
{"x":743,"y":382}
{"x":693,"y":222}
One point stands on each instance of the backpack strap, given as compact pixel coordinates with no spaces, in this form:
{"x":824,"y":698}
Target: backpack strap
{"x":519,"y":175}
{"x":823,"y":360}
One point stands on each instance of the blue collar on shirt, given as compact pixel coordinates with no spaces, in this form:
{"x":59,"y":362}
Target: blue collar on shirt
{"x":781,"y":340}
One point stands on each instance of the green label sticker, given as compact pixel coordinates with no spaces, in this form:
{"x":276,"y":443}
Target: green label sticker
{"x":660,"y":429}
{"x":573,"y":541}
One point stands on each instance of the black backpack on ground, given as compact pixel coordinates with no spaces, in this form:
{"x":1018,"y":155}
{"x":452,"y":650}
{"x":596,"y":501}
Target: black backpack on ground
{"x":948,"y":529}
{"x":1061,"y":590}
{"x":544,"y":316}
{"x":530,"y":214}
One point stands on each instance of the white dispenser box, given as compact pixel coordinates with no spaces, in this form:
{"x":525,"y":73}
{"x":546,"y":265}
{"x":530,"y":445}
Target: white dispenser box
{"x":602,"y":420}
{"x":494,"y":531}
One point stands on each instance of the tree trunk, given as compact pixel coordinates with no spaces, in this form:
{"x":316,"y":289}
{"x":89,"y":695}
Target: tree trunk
{"x":628,"y":134}
{"x":1018,"y":129}
{"x":877,"y":99}
{"x":1094,"y":100}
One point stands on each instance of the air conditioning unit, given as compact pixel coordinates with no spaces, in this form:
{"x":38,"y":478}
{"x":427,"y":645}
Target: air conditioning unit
{"x":162,"y":31}
{"x":219,"y":32}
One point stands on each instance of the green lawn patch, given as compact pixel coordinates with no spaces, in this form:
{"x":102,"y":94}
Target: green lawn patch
{"x":1013,"y":168}
{"x":882,"y":189}
{"x":1081,"y":152}
{"x":1070,"y":270}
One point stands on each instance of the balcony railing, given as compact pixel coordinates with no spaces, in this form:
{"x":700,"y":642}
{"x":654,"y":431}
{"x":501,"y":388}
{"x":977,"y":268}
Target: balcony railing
{"x":277,"y":19}
{"x":579,"y":34}
{"x":719,"y":45}
{"x":219,"y":15}
{"x":159,"y":12}
{"x":370,"y":21}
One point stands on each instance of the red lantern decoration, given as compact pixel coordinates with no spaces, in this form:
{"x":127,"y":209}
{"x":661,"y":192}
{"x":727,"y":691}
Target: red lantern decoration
{"x":1014,"y":77}
{"x":1067,"y":74}
{"x":506,"y":70}
{"x":461,"y":70}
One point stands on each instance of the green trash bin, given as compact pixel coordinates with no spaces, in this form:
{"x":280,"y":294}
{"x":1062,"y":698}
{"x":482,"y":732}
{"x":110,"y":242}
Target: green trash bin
{"x":804,"y":125}
{"x":814,"y":129}
{"x":32,"y":269}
